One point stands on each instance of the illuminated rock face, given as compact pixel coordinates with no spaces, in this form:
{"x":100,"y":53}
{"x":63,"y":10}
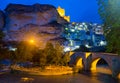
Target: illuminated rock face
{"x":2,"y":19}
{"x":41,"y":22}
{"x":40,"y":34}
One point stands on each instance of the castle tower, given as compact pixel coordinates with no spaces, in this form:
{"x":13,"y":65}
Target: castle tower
{"x":61,"y":12}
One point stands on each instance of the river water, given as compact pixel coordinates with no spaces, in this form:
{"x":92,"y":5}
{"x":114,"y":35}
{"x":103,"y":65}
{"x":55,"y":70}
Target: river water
{"x":103,"y":75}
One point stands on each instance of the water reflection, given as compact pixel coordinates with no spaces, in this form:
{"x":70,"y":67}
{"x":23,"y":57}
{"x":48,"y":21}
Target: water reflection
{"x":103,"y":74}
{"x":102,"y":77}
{"x":82,"y":77}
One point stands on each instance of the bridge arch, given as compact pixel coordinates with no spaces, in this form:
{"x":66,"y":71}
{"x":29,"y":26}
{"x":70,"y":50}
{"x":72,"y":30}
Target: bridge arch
{"x":76,"y":59}
{"x":79,"y":62}
{"x":95,"y":62}
{"x":89,"y":61}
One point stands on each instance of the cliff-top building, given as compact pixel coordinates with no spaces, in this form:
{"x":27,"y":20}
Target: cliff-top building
{"x":61,"y":12}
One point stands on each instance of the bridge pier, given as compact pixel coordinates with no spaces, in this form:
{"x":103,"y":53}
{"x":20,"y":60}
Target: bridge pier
{"x":87,"y":61}
{"x":115,"y":68}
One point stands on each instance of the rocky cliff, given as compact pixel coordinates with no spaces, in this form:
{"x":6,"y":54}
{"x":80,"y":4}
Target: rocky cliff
{"x":20,"y":15}
{"x":2,"y":19}
{"x":38,"y":21}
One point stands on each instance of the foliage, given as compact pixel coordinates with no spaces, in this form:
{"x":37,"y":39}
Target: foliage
{"x":23,"y":53}
{"x":113,"y":39}
{"x":3,"y":51}
{"x":4,"y":54}
{"x":36,"y":57}
{"x":59,"y":53}
{"x":65,"y":59}
{"x":39,"y":58}
{"x":1,"y":34}
{"x":110,"y":14}
{"x":52,"y":55}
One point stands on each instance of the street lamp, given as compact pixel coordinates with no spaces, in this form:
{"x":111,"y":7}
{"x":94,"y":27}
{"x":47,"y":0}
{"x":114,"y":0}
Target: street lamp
{"x":31,"y":41}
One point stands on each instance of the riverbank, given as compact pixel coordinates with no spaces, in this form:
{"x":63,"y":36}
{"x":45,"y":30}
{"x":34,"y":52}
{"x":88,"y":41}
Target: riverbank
{"x":48,"y":70}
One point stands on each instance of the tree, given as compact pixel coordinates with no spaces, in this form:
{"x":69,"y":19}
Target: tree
{"x":109,"y":12}
{"x":3,"y":51}
{"x":4,"y":54}
{"x":23,"y":53}
{"x":65,"y":59}
{"x":36,"y":57}
{"x":55,"y":55}
{"x":50,"y":53}
{"x":110,"y":15}
{"x":113,"y":39}
{"x":39,"y":58}
{"x":59,"y":53}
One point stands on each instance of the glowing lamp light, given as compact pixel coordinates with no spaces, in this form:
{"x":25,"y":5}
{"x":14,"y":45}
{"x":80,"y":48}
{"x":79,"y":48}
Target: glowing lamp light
{"x":66,"y":28}
{"x":102,"y":43}
{"x":31,"y":41}
{"x":66,"y":49}
{"x":87,"y":46}
{"x":83,"y":23}
{"x":77,"y":47}
{"x":81,"y":26}
{"x":72,"y":30}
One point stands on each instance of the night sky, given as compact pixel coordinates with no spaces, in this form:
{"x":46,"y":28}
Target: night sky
{"x":78,"y":10}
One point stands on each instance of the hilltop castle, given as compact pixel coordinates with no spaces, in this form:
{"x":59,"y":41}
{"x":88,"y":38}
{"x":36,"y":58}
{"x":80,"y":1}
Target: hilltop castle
{"x":61,"y":12}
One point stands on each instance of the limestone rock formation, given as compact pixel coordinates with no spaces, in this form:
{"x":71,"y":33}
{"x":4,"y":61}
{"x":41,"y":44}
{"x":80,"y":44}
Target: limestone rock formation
{"x":20,"y":15}
{"x":2,"y":19}
{"x":39,"y":22}
{"x":40,"y":34}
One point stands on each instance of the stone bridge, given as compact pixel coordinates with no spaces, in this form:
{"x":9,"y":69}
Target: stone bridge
{"x":88,"y":61}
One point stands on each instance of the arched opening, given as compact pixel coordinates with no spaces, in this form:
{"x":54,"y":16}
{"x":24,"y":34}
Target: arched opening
{"x":93,"y":64}
{"x":79,"y":62}
{"x":101,"y":66}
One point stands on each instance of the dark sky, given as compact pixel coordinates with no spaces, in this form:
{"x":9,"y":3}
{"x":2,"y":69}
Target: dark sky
{"x":79,"y":10}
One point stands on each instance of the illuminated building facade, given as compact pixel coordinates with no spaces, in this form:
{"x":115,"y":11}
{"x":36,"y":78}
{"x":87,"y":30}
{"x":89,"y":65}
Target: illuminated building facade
{"x":61,"y":12}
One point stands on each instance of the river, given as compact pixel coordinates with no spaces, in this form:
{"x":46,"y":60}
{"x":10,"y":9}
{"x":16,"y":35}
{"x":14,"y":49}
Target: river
{"x":103,"y":75}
